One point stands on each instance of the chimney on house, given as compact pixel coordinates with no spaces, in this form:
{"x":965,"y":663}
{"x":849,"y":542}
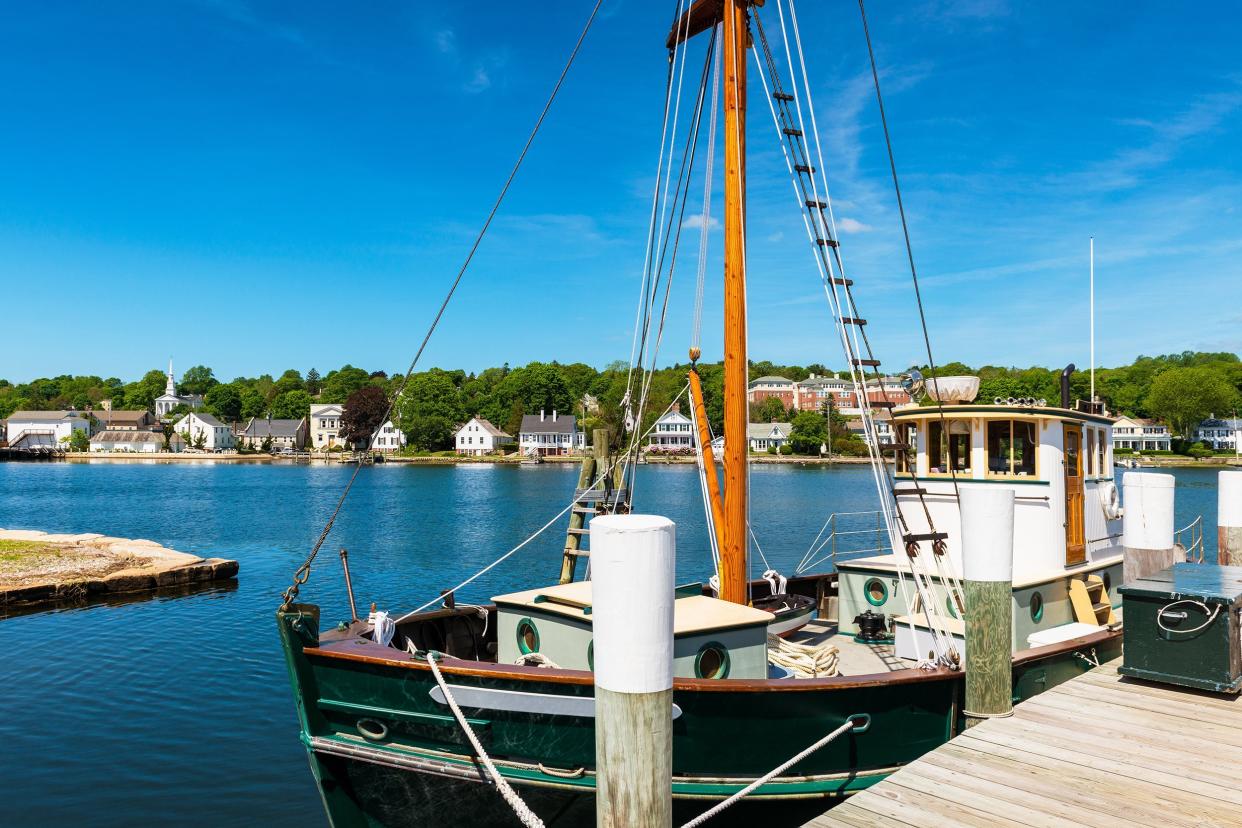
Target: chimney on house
{"x":676,"y":409}
{"x":541,"y":415}
{"x":554,"y":415}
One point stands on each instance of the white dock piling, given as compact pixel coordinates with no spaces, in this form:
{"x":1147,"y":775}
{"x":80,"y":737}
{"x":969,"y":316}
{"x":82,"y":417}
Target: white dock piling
{"x":987,"y":567}
{"x":632,"y":565}
{"x":1147,"y":526}
{"x":1229,"y":519}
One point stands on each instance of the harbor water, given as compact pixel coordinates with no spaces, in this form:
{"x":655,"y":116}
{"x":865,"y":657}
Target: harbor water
{"x":177,"y":710}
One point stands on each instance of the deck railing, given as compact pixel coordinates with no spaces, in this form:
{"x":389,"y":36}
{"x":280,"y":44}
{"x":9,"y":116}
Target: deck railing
{"x":1190,"y":538}
{"x":846,"y":535}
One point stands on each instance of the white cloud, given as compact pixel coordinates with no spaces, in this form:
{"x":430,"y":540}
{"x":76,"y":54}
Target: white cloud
{"x":445,"y":41}
{"x":849,"y":225}
{"x":481,"y":81}
{"x":696,"y":221}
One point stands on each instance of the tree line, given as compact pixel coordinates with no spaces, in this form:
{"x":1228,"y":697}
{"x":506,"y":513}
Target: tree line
{"x":1180,"y":389}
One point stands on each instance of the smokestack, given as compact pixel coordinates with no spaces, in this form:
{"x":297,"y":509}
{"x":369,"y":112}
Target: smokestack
{"x":1065,"y":385}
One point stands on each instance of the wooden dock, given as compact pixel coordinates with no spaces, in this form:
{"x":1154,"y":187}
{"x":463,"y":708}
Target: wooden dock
{"x":1099,"y":749}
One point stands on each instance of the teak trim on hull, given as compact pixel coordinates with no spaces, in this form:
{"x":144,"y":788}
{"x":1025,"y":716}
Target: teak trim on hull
{"x":367,"y":652}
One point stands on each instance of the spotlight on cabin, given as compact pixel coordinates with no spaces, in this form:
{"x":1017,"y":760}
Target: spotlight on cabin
{"x":912,"y":382}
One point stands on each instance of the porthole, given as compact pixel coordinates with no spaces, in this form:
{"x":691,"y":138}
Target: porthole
{"x":591,"y":655}
{"x":1108,"y":582}
{"x":527,"y":636}
{"x":1037,"y":607}
{"x":876,"y":592}
{"x":712,"y":662}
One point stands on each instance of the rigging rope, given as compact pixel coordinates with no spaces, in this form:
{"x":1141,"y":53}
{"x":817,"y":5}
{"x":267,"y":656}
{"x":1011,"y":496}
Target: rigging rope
{"x":303,"y":572}
{"x":708,"y":168}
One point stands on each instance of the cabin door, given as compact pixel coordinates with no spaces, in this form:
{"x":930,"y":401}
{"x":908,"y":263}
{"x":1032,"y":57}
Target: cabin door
{"x":1075,"y":537}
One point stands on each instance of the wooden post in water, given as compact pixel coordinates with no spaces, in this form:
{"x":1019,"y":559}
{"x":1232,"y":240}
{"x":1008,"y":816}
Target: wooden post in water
{"x":1147,"y":525}
{"x":1229,"y":519}
{"x":987,"y":564}
{"x":632,"y":619}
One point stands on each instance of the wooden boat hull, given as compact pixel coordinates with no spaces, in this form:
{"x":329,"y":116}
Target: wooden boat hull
{"x":537,"y":725}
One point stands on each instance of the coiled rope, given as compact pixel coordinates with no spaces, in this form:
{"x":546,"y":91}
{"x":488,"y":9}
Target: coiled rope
{"x":804,"y":660}
{"x":528,"y":817}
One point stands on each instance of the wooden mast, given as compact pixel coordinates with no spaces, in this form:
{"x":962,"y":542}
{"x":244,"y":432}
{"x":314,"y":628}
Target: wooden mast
{"x":701,"y":16}
{"x":736,"y":413}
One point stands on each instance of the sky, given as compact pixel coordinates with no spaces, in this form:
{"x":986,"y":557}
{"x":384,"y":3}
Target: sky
{"x":258,"y":185}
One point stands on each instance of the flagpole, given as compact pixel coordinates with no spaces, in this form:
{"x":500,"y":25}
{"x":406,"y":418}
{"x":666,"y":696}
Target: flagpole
{"x":1093,"y":320}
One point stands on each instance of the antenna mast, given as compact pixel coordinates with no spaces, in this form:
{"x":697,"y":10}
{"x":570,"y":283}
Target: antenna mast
{"x":1093,"y":321}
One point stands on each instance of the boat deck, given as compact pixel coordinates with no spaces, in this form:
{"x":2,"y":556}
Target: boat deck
{"x":1099,"y":749}
{"x":854,"y":658}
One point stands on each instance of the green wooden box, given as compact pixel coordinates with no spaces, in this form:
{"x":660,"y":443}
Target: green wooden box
{"x":1182,"y":627}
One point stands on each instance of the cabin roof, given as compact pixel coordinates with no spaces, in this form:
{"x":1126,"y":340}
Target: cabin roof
{"x":692,"y":614}
{"x":977,"y":410}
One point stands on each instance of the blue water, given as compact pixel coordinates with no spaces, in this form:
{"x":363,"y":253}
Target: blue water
{"x":178,"y":711}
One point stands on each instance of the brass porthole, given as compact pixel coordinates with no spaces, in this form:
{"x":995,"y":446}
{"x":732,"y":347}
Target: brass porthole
{"x":712,"y":662}
{"x":527,"y":636}
{"x":1037,"y":607}
{"x":876,"y":592}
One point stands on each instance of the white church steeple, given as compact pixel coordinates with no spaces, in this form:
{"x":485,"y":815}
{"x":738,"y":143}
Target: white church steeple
{"x":171,"y":388}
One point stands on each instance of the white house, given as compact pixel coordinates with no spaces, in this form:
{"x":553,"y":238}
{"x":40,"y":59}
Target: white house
{"x":768,"y":435}
{"x":1220,"y":434}
{"x":478,"y":436}
{"x":672,"y":432}
{"x":131,"y":440}
{"x":548,"y":434}
{"x":325,"y":425}
{"x":169,"y":400}
{"x":388,"y":438}
{"x":1141,"y":435}
{"x":29,"y":429}
{"x":285,"y":434}
{"x":201,"y":425}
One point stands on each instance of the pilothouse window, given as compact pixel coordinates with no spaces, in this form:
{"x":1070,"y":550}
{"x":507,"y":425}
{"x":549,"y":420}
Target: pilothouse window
{"x":1011,"y":448}
{"x":948,"y":447}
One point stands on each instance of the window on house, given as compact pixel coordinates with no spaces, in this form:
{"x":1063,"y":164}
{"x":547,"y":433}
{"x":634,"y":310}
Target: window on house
{"x":1011,"y":448}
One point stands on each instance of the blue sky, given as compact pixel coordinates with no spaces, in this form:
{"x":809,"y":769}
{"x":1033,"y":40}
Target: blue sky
{"x":257,"y":185}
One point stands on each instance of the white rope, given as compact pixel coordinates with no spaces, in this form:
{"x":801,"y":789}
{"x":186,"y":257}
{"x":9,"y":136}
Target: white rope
{"x":805,"y":660}
{"x":769,"y":776}
{"x":708,"y":168}
{"x":708,"y":515}
{"x":524,"y":813}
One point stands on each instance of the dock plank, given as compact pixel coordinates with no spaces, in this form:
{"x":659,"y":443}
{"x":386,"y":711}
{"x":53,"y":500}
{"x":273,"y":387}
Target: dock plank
{"x":1100,"y":748}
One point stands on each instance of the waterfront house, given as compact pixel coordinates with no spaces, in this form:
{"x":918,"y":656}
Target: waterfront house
{"x":169,"y":400}
{"x":1220,"y":434}
{"x":672,"y":432}
{"x":764,"y":436}
{"x":1139,"y":434}
{"x":388,"y":438}
{"x":813,"y":393}
{"x":34,"y":429}
{"x":781,"y":388}
{"x":112,"y":420}
{"x":883,"y":430}
{"x":550,"y":434}
{"x":478,"y":436}
{"x":132,"y":440}
{"x":325,"y":425}
{"x":285,"y":434}
{"x":198,"y":425}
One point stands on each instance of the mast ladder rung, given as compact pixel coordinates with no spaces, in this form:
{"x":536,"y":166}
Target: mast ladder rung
{"x":578,"y":553}
{"x":916,"y":490}
{"x":851,"y":320}
{"x":837,"y":280}
{"x":871,"y":363}
{"x":803,"y":168}
{"x":882,"y":404}
{"x":793,"y":133}
{"x":925,"y":536}
{"x":813,"y":204}
{"x":571,"y":530}
{"x":783,"y":96}
{"x":584,"y":510}
{"x":894,"y":446}
{"x":828,"y":242}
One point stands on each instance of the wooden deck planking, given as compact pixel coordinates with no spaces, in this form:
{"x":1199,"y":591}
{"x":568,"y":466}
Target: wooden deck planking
{"x":1097,"y":749}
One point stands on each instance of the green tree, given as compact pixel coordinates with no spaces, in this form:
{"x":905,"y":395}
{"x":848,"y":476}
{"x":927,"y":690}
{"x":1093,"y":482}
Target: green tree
{"x":1183,"y":397}
{"x":142,"y":394}
{"x":224,"y":401}
{"x":291,"y":405}
{"x":770,"y":410}
{"x":79,"y":440}
{"x":312,"y":382}
{"x":338,"y":385}
{"x":197,"y":380}
{"x":809,"y":433}
{"x":429,"y":409}
{"x":253,"y":404}
{"x":290,"y":380}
